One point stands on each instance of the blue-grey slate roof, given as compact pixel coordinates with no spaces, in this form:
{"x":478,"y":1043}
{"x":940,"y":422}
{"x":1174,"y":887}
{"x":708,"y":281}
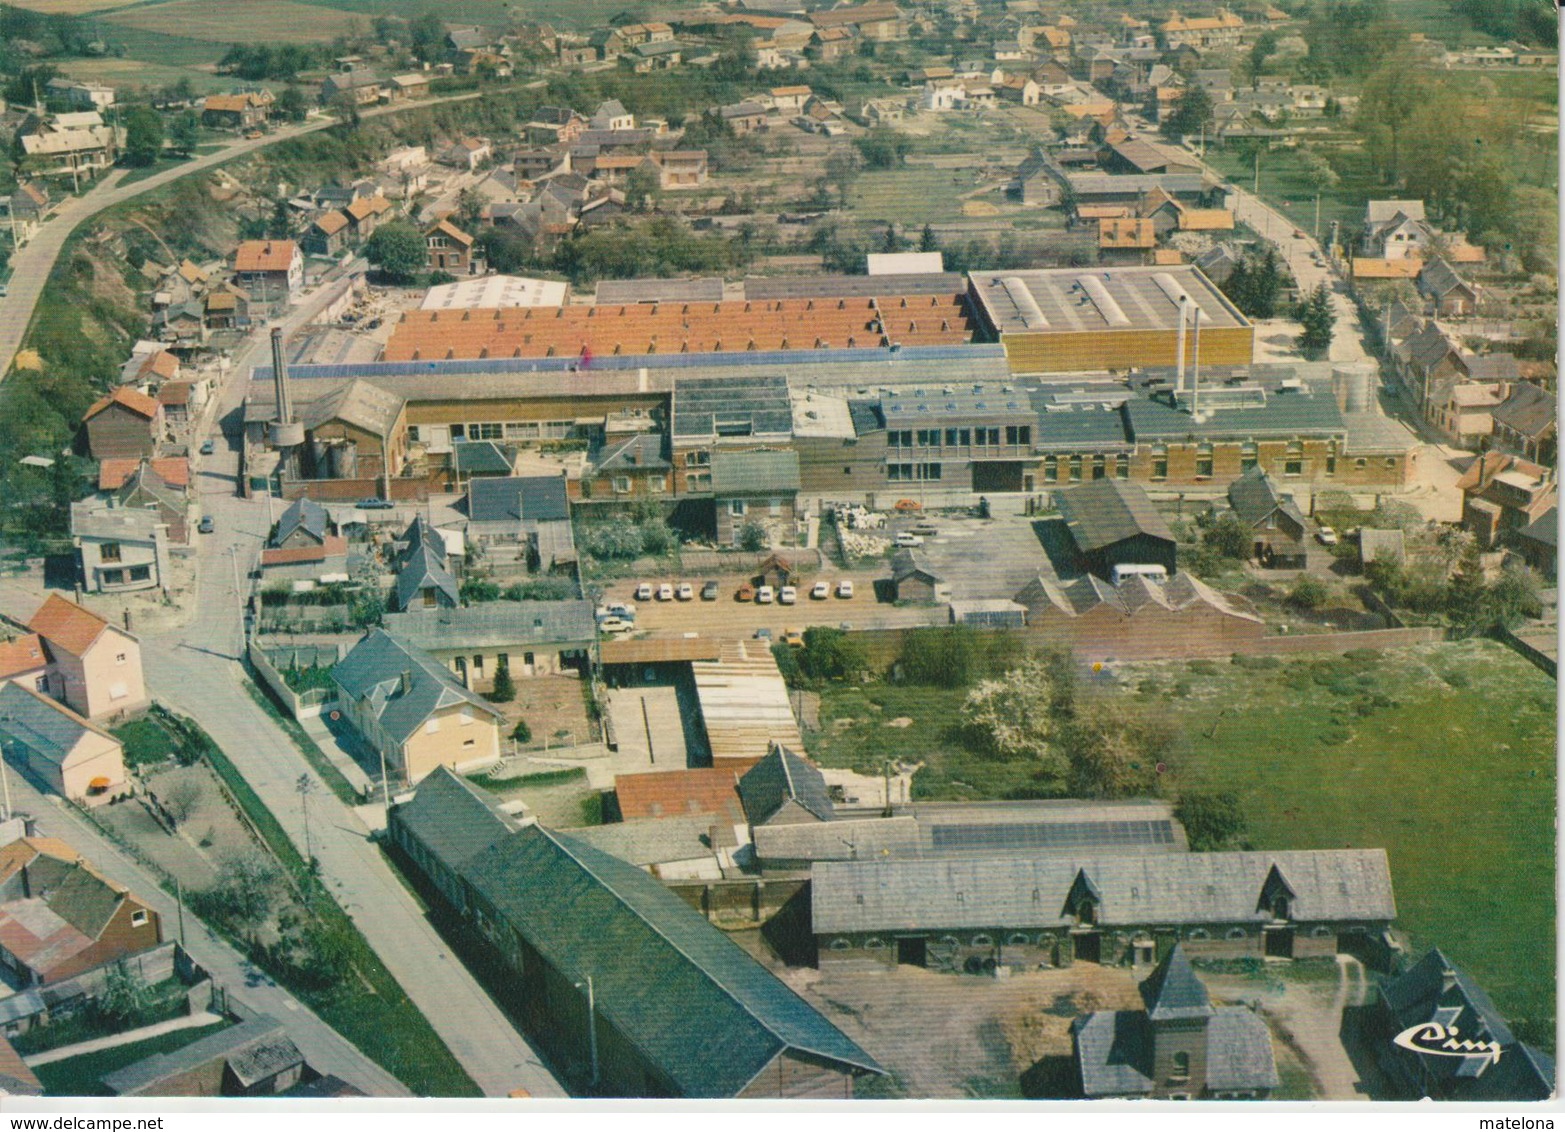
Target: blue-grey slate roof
{"x":373,"y":670}
{"x":1436,"y":990}
{"x":303,"y":514}
{"x":1173,"y":991}
{"x":1104,"y":512}
{"x":523,"y":498}
{"x":49,"y":730}
{"x":693,"y":1003}
{"x":483,"y":458}
{"x":420,"y":569}
{"x":496,"y":624}
{"x":453,"y":819}
{"x":781,"y":777}
{"x":755,"y":473}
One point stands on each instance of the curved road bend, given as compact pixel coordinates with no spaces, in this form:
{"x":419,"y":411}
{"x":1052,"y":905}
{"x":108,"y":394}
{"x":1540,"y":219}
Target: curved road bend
{"x":33,"y":261}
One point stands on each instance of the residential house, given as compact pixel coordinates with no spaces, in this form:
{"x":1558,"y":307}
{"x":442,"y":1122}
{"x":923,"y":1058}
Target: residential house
{"x":877,"y":21}
{"x":366,"y":214}
{"x":872,"y":112}
{"x":789,"y":99}
{"x":1021,"y":90}
{"x":743,"y":118}
{"x":1450,"y":295}
{"x":708,"y":791}
{"x":1525,"y":424}
{"x":1394,"y":229}
{"x":76,"y":145}
{"x":533,"y":510}
{"x":1178,"y":1046}
{"x":1539,"y":544}
{"x":1113,"y":523}
{"x":273,"y":270}
{"x":24,"y":209}
{"x":146,"y":488}
{"x":612,"y":115}
{"x":423,"y":579}
{"x":242,"y":110}
{"x":59,"y":916}
{"x":358,"y":85}
{"x":466,"y":153}
{"x":303,"y":522}
{"x":1039,"y":181}
{"x":118,"y":549}
{"x":755,"y":487}
{"x":1125,"y":240}
{"x":664,"y":55}
{"x":94,"y":667}
{"x":125,"y":422}
{"x":628,"y":468}
{"x":225,"y":307}
{"x":1433,"y":998}
{"x":1503,"y":494}
{"x":450,"y":249}
{"x":830,"y":44}
{"x":677,"y":1008}
{"x":328,"y":234}
{"x":406,"y":88}
{"x":680,"y":168}
{"x":59,"y":749}
{"x":528,"y":638}
{"x":80,"y":95}
{"x":1279,"y":532}
{"x":1201,"y":32}
{"x":411,"y":710}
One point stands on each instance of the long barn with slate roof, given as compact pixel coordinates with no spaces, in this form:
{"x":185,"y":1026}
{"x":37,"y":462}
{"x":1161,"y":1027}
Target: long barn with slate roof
{"x":597,"y":946}
{"x":953,"y":913}
{"x":1114,"y":524}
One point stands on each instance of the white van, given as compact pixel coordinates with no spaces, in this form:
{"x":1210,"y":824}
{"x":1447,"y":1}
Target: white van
{"x":1151,"y":573}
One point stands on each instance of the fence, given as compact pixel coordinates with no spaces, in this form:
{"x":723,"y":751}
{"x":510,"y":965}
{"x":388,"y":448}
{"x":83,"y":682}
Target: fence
{"x":300,"y":705}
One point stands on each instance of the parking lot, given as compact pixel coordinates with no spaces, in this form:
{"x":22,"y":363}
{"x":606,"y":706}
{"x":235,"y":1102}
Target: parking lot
{"x":996,"y":557}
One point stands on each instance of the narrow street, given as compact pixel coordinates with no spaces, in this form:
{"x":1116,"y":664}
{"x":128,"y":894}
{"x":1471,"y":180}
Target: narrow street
{"x":322,"y":1046}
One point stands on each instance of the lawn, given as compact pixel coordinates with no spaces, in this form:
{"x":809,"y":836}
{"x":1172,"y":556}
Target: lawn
{"x":169,"y":48}
{"x":145,"y":741}
{"x":253,"y":21}
{"x":913,"y":194}
{"x":1451,"y":770}
{"x":1288,"y":185}
{"x":1442,"y":754}
{"x":79,"y":1076}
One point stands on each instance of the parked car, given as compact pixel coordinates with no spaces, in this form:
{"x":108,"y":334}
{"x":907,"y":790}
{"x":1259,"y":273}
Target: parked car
{"x":907,"y":538}
{"x":926,"y":529}
{"x":208,"y":447}
{"x":620,"y":609}
{"x":644,"y":592}
{"x":793,"y":638}
{"x":845,"y":588}
{"x":373,"y":504}
{"x":820,"y":591}
{"x":763,"y":634}
{"x":665,"y":591}
{"x":787,"y":595}
{"x":684,"y":591}
{"x":615,"y":625}
{"x":709,"y":591}
{"x":746,"y":592}
{"x":765,"y":596}
{"x":206,"y":526}
{"x":1327,"y":536}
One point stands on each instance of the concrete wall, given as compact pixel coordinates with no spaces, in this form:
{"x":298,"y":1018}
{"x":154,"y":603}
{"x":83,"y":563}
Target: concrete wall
{"x":299,"y":705}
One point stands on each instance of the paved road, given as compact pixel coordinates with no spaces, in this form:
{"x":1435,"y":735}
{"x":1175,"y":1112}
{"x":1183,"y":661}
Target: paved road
{"x":33,"y":262}
{"x":322,"y":1046}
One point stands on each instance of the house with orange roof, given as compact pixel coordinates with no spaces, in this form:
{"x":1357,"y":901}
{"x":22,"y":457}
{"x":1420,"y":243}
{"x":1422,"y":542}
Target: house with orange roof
{"x":1125,"y":240}
{"x":328,"y":234}
{"x":172,"y":470}
{"x":126,"y":422}
{"x":365,"y":214}
{"x":94,"y":667}
{"x":269,"y":269}
{"x":60,"y":917}
{"x":449,"y":249}
{"x":244,"y":110}
{"x":23,"y":659}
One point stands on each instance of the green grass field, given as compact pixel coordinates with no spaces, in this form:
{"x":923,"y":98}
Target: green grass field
{"x":1455,"y":777}
{"x":498,"y":13}
{"x":1451,"y":771}
{"x":911,"y":195}
{"x":161,"y":49}
{"x":1286,"y":184}
{"x":145,"y":741}
{"x":259,"y":21}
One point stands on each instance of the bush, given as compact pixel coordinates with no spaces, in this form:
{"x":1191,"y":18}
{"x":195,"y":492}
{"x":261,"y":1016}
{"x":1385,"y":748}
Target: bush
{"x":1212,"y":819}
{"x":521,"y":732}
{"x":1227,"y":537}
{"x":752,"y":537}
{"x":1308,"y":593}
{"x":831,"y":654}
{"x":476,"y":590}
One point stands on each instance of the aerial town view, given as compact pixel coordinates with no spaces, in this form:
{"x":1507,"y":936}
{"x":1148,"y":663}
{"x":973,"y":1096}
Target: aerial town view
{"x":755,"y":549}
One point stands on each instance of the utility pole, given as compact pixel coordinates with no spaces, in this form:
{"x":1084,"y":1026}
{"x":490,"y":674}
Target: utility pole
{"x":305,"y":788}
{"x":179,"y":910}
{"x":1317,"y":214}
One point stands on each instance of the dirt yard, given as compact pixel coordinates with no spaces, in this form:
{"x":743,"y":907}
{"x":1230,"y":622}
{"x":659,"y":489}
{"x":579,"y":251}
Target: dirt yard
{"x":208,"y":830}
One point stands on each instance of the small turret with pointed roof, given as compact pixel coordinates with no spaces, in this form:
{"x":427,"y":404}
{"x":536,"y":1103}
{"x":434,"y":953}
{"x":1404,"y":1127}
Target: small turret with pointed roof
{"x":1173,"y":992}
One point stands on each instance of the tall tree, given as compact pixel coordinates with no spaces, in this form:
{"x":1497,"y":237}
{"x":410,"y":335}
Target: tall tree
{"x":1191,"y":112}
{"x":1318,"y":322}
{"x":143,"y":135}
{"x":398,"y":250}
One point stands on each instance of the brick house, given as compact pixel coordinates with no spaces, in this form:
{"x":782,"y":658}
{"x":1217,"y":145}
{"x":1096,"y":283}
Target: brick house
{"x":126,"y":422}
{"x":449,"y":249}
{"x":269,"y":269}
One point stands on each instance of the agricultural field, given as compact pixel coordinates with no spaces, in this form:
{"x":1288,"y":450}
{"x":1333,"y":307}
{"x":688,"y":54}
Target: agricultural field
{"x":129,"y":72}
{"x":498,"y":13}
{"x":911,"y":195}
{"x":1441,"y":754}
{"x":158,"y":49}
{"x":71,"y":7}
{"x":256,"y":21}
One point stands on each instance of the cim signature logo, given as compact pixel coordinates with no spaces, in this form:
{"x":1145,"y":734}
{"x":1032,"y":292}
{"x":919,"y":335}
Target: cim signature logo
{"x":1445,"y":1041}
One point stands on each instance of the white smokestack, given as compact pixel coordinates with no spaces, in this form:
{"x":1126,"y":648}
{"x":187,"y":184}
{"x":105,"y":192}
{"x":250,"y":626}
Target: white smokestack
{"x":1179,"y":380}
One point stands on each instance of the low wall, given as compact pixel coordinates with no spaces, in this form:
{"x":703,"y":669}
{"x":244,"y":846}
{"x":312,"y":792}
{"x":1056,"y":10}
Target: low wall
{"x":752,"y":899}
{"x":300,"y":705}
